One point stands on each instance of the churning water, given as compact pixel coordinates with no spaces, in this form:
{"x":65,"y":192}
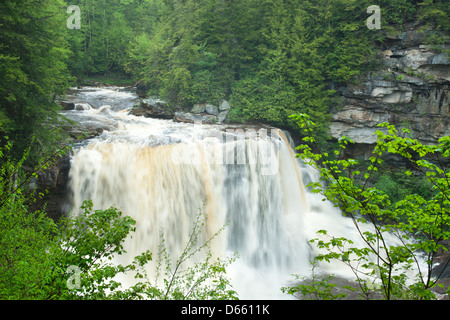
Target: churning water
{"x":161,"y":173}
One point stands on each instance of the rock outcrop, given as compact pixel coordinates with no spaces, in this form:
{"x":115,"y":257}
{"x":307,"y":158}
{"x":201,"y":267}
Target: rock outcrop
{"x":189,"y":117}
{"x":153,"y":108}
{"x":205,"y":113}
{"x":411,"y":91}
{"x":67,"y":105}
{"x":52,"y":184}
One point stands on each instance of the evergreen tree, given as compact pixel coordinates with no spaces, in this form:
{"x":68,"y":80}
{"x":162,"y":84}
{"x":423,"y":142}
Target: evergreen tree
{"x":101,"y":44}
{"x":33,"y":55}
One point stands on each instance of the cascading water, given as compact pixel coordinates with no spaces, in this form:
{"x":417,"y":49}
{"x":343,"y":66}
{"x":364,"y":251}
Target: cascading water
{"x":161,"y":173}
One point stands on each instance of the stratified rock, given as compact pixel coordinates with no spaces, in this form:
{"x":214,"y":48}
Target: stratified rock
{"x":441,"y":58}
{"x":410,"y":91}
{"x":52,"y":184}
{"x":412,"y":38}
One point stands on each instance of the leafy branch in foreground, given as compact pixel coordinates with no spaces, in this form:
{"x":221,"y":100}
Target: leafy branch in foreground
{"x":200,"y":280}
{"x":316,"y":287}
{"x":421,"y":226}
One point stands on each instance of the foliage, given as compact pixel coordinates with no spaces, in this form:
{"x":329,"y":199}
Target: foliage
{"x":189,"y":278}
{"x":398,"y":12}
{"x":100,"y":46}
{"x":269,"y":58}
{"x":24,"y":236}
{"x":398,"y":185}
{"x":435,"y":13}
{"x":33,"y":74}
{"x":316,"y":287}
{"x":421,"y":225}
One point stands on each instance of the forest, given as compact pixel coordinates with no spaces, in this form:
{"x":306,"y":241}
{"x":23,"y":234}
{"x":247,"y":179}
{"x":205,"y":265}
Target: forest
{"x":271,"y":59}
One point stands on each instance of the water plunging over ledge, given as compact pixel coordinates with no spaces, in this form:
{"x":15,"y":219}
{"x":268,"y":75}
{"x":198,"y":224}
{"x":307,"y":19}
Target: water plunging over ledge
{"x":161,"y":173}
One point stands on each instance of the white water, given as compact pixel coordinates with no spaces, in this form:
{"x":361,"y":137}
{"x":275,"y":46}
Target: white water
{"x":161,"y":173}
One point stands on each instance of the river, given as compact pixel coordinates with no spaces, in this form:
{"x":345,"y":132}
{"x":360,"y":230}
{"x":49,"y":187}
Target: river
{"x":163,"y":173}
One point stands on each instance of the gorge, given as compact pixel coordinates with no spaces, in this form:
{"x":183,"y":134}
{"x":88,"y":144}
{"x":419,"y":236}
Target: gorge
{"x":186,"y":113}
{"x":161,"y":166}
{"x":162,"y":173}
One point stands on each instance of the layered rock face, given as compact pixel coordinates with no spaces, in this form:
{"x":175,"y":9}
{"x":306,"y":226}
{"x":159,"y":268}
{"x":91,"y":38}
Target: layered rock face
{"x":410,"y":91}
{"x":52,"y":184}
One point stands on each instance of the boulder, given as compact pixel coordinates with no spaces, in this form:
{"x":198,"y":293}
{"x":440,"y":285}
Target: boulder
{"x":67,"y":105}
{"x":224,"y":106}
{"x":223,"y":116}
{"x":153,"y":108}
{"x":141,"y":90}
{"x":83,"y":106}
{"x":198,"y":108}
{"x":189,"y":117}
{"x":211,"y":109}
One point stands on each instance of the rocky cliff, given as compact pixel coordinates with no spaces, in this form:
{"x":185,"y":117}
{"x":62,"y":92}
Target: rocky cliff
{"x":52,"y":184}
{"x":410,"y":89}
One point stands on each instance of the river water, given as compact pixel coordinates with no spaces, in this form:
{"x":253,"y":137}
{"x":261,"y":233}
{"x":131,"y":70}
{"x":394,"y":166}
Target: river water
{"x":163,"y":173}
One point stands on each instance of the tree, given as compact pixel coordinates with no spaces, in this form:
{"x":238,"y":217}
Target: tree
{"x":421,"y":225}
{"x":307,"y":48}
{"x":100,"y":46}
{"x":199,"y":50}
{"x":33,"y":73}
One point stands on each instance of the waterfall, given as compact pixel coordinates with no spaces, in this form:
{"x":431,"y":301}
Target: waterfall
{"x":162,"y":173}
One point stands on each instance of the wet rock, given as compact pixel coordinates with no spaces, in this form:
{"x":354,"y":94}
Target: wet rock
{"x":52,"y":183}
{"x":224,"y":106}
{"x":67,"y":105}
{"x":153,"y":108}
{"x":83,"y":106}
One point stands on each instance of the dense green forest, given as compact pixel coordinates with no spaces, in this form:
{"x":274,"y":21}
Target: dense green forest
{"x":269,"y":58}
